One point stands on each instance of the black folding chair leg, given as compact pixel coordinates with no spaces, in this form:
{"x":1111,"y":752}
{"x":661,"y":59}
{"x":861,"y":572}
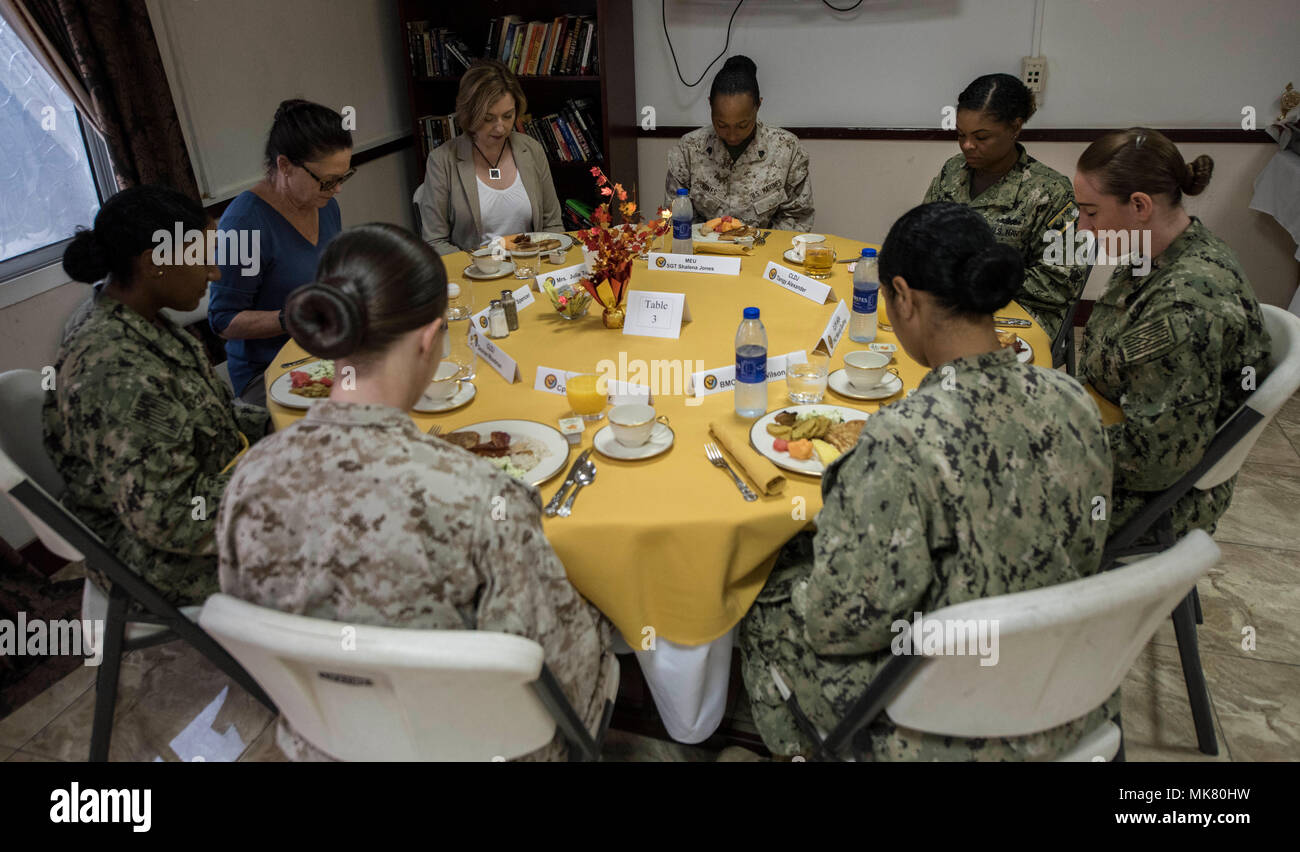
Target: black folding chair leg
{"x":110,"y":665}
{"x":208,"y":647}
{"x":1196,"y":602}
{"x":1197,"y":693}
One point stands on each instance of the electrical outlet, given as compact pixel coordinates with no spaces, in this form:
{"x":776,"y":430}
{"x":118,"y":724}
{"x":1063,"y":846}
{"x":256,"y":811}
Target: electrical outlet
{"x":1033,"y":72}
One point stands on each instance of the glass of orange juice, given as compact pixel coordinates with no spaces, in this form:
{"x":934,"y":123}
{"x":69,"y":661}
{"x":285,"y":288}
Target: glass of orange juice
{"x":584,"y":395}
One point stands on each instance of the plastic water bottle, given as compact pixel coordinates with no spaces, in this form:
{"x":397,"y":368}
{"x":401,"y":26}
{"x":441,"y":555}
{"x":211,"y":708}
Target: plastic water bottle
{"x":751,"y":366}
{"x":455,"y":348}
{"x":866,"y":288}
{"x":683,"y":213}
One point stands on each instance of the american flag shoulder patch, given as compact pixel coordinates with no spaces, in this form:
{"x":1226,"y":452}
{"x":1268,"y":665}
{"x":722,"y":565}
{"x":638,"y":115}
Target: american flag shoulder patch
{"x":1148,"y":340}
{"x":156,"y":415}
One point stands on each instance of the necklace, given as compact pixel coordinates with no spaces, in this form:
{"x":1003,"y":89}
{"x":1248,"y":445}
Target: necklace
{"x":493,"y":172}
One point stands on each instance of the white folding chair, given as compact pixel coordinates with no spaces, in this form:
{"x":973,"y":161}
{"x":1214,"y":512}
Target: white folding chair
{"x":398,"y":694}
{"x":1062,"y":651}
{"x":1222,"y":460}
{"x":31,"y":487}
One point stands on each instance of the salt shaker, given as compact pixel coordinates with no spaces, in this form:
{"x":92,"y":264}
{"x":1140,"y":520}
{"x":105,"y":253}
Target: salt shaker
{"x":497,"y":325}
{"x":512,"y":311}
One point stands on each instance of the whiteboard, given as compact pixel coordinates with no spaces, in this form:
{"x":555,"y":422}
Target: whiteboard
{"x":897,"y":63}
{"x":231,"y":63}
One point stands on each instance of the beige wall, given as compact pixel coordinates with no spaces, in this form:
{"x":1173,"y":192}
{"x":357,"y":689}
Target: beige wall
{"x":862,"y":186}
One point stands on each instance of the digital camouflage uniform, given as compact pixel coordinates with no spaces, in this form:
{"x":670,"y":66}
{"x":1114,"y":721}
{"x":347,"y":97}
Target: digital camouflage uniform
{"x":1024,"y":204}
{"x":1169,"y":348}
{"x":949,"y":495}
{"x":140,"y":427}
{"x":768,"y":187}
{"x":354,"y":515}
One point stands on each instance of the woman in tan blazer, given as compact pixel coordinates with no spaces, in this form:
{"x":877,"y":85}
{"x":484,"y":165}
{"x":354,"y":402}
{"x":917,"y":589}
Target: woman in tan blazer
{"x":490,"y":181}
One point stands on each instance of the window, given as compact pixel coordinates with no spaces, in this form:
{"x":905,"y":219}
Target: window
{"x":49,"y":164}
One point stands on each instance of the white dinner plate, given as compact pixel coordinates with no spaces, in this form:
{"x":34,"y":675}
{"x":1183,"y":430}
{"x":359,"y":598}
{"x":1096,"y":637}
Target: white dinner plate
{"x":1026,"y":357}
{"x":661,"y":439}
{"x":699,"y":236}
{"x":507,"y":268}
{"x":838,"y":381}
{"x":554,"y":442}
{"x":280,"y":389}
{"x":761,"y":441}
{"x":425,"y":405}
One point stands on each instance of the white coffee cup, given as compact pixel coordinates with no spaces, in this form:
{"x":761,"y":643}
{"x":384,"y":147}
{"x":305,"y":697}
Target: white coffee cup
{"x":445,"y":384}
{"x":632,"y":423}
{"x":865,"y":368}
{"x":486,"y":264}
{"x":799,"y":241}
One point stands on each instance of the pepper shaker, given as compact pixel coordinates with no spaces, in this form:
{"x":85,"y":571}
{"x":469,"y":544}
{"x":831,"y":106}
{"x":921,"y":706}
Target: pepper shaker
{"x":512,"y":310}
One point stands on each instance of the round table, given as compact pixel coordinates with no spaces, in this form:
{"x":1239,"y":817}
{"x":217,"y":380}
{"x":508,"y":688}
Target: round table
{"x":667,"y":548}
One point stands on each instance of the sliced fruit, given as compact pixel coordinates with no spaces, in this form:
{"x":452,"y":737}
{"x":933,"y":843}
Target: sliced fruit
{"x":801,"y":450}
{"x":825,"y":451}
{"x":780,"y":445}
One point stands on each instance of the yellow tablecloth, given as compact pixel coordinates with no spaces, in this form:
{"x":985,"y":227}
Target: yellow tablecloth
{"x":668,"y":543}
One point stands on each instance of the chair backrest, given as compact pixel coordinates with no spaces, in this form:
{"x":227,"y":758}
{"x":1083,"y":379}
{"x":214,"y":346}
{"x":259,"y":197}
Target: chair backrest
{"x":416,"y":197}
{"x":1279,"y":384}
{"x":22,"y":437}
{"x":392,"y":694}
{"x":184,"y":318}
{"x":1060,"y":651}
{"x":1065,"y":335}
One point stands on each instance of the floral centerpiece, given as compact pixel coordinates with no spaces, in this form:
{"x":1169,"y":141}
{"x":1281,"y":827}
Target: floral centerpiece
{"x":614,"y":246}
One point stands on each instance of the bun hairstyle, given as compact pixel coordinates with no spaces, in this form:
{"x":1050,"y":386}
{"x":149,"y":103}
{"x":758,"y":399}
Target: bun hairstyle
{"x":738,"y":76}
{"x":303,"y":131}
{"x":1002,"y":96}
{"x":949,"y":251}
{"x":1144,"y":160}
{"x":124,"y":228}
{"x":374,"y":283}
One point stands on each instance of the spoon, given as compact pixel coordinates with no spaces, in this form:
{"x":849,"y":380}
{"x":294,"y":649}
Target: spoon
{"x":584,"y":476}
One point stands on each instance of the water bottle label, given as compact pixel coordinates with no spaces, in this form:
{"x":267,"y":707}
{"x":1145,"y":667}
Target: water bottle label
{"x":864,"y":301}
{"x":751,"y":370}
{"x":681,"y":229}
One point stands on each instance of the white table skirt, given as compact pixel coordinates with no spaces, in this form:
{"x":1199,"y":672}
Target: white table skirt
{"x":688,"y":684}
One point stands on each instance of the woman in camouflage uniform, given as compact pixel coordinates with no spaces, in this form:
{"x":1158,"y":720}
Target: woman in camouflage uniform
{"x":979,"y":483}
{"x":1019,"y":197}
{"x":142,"y":429}
{"x":1177,"y":350}
{"x":740,"y":166}
{"x":353,"y":514}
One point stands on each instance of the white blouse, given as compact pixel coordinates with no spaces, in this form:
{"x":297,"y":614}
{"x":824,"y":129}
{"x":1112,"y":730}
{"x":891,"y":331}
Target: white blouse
{"x":504,"y":211}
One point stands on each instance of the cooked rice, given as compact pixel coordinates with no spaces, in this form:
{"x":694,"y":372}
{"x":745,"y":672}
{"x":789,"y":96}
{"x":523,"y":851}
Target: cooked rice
{"x":527,"y":453}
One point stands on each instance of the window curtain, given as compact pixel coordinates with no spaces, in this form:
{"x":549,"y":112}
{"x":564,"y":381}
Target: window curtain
{"x":104,"y":54}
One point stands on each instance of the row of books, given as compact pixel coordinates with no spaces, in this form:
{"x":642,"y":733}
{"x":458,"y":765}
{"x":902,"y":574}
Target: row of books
{"x":437,"y":52}
{"x":569,"y":135}
{"x":564,"y":47}
{"x":436,"y":129}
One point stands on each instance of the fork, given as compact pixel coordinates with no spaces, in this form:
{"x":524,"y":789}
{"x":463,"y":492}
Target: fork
{"x":715,"y":457}
{"x":761,"y":239}
{"x":435,"y":430}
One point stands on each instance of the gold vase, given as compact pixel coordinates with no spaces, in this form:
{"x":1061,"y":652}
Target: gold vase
{"x":613,"y":317}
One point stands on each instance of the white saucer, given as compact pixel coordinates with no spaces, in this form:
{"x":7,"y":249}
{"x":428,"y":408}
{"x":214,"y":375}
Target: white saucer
{"x":507,"y":268}
{"x":660,"y":440}
{"x":839,"y":382}
{"x":791,"y":257}
{"x":461,"y":397}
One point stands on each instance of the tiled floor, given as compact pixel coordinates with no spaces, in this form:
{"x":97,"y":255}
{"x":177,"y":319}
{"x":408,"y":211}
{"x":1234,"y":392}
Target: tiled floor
{"x":173,"y":705}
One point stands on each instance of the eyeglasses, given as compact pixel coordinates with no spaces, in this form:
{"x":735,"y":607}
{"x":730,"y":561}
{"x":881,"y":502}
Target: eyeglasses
{"x":332,"y":183}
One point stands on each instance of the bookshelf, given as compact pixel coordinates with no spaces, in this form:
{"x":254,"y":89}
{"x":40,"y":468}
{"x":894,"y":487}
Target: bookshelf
{"x":607,"y":88}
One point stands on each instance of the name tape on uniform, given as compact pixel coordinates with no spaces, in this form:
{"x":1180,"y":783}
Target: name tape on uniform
{"x":709,"y":264}
{"x":651,"y":314}
{"x":494,"y":355}
{"x":809,"y":288}
{"x":719,"y":379}
{"x":834,"y":330}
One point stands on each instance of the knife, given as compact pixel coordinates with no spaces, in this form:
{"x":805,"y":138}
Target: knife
{"x":1013,"y":322}
{"x":569,"y":480}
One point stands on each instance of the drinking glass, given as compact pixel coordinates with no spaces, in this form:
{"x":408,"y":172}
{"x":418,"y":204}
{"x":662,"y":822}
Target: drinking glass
{"x":587,"y":401}
{"x":526,"y":264}
{"x":806,"y":381}
{"x":818,"y":259}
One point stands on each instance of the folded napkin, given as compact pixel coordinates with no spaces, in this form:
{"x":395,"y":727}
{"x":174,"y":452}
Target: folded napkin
{"x":723,"y":248}
{"x":758,"y":469}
